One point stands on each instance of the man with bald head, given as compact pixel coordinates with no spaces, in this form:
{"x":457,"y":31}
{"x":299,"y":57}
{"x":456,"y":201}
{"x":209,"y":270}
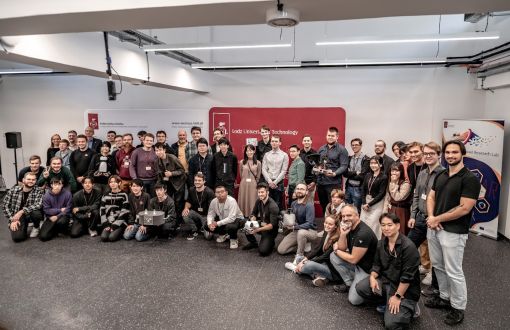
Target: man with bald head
{"x":180,"y":148}
{"x":93,"y":143}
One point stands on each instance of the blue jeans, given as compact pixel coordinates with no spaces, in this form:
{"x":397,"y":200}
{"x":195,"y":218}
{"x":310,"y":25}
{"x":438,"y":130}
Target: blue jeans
{"x":353,"y":196}
{"x":135,"y":233}
{"x":351,"y":275}
{"x":313,"y":268}
{"x":446,"y":254}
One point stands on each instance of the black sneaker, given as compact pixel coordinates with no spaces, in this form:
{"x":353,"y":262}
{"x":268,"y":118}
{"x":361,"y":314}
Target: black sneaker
{"x":250,"y":246}
{"x":437,"y":302}
{"x":430,"y":292}
{"x":341,"y":288}
{"x":455,"y":316}
{"x":191,"y":236}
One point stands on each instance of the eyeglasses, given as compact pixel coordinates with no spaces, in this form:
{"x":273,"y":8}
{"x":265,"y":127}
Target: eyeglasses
{"x":429,"y":154}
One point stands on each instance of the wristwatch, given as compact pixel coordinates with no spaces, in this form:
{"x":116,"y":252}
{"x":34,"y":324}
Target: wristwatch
{"x":398,"y":295}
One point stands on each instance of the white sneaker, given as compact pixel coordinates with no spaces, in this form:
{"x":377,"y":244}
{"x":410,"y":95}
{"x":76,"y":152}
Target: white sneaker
{"x":34,"y":233}
{"x":308,"y":247}
{"x":234,"y":244}
{"x":423,"y":270}
{"x":92,"y":233}
{"x":427,"y":280}
{"x":222,"y":238}
{"x":290,"y":266}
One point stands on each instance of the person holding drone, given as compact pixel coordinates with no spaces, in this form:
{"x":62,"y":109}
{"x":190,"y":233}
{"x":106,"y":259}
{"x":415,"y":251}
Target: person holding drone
{"x":263,"y":221}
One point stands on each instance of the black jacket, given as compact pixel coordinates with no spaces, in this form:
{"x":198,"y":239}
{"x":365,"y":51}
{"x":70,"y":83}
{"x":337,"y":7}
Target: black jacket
{"x":377,"y":188}
{"x":352,"y":175}
{"x":87,"y":204}
{"x":224,"y":169}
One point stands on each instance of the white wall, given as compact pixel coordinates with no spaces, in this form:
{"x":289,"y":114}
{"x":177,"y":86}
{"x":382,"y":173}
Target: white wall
{"x":497,"y":106}
{"x":394,"y":104}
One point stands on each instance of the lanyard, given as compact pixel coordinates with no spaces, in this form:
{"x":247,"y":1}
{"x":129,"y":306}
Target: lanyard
{"x":371,"y":183}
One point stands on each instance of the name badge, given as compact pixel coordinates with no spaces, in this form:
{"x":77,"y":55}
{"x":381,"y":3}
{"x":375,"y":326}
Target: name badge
{"x":248,"y":180}
{"x":126,"y":164}
{"x":224,"y":168}
{"x":200,"y":209}
{"x":424,"y":197}
{"x":148,"y":168}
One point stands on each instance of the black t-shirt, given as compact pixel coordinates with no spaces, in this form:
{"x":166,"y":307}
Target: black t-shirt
{"x":362,"y":236}
{"x":412,"y":172}
{"x":200,"y":200}
{"x":449,"y":190}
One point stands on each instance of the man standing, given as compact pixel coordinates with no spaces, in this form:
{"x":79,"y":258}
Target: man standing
{"x":380,"y":149}
{"x":449,"y":207}
{"x":191,"y":148}
{"x":264,"y":145}
{"x":310,"y":178}
{"x":80,"y":159}
{"x":57,"y":203}
{"x":337,"y":159}
{"x":354,"y":252}
{"x":34,"y":167}
{"x":172,"y":175}
{"x":197,"y":206}
{"x":274,"y":167}
{"x":217,"y":135}
{"x":23,"y":204}
{"x":417,"y":221}
{"x":57,"y":170}
{"x":92,"y":143}
{"x":110,"y":137}
{"x":265,"y":212}
{"x":201,"y":163}
{"x":224,"y":167}
{"x":118,"y":143}
{"x":123,"y":160}
{"x":71,"y":137}
{"x":415,"y":149}
{"x":223,"y":218}
{"x":359,"y":166}
{"x":180,"y":146}
{"x":144,"y":164}
{"x":161,"y":138}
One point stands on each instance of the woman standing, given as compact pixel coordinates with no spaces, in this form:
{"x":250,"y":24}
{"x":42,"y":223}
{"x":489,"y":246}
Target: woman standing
{"x":397,"y":199}
{"x":251,"y":170}
{"x":52,"y":150}
{"x":374,"y":190}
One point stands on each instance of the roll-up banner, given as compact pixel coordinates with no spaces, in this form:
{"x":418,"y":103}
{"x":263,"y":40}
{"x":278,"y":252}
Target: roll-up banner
{"x":484,"y":146}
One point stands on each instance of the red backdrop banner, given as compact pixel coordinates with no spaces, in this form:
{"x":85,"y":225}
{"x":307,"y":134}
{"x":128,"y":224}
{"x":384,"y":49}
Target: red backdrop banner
{"x":242,"y":125}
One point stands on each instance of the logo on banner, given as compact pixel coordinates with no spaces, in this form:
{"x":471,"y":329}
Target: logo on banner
{"x":93,"y":120}
{"x":473,"y":139}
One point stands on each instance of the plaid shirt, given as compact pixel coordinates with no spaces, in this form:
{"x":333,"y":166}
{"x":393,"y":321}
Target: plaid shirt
{"x":12,"y":201}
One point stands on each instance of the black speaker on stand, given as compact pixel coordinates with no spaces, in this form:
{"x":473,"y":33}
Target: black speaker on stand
{"x":13,"y":141}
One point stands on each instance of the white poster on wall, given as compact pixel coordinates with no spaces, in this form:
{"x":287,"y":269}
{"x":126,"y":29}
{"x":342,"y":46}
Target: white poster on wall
{"x":134,"y":120}
{"x":484,"y":146}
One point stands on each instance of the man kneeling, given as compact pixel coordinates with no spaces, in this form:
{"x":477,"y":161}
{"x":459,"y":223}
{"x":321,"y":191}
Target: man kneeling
{"x":354,"y":252}
{"x":224,"y":218}
{"x":265,"y":212}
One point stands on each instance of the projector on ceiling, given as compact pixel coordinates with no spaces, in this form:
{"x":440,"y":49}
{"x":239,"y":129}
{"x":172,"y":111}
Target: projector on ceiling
{"x":279,"y":17}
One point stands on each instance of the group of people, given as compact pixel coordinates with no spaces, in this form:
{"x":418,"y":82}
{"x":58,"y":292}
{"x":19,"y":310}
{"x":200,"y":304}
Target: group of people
{"x":377,"y":211}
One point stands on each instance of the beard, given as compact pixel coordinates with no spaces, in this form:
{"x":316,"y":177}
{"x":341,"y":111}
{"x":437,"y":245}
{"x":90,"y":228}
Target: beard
{"x":455,"y":163}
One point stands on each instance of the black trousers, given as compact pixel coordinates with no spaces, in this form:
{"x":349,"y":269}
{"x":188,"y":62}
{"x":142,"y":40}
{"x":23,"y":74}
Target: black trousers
{"x":324,"y":192}
{"x":418,"y":235}
{"x":267,"y":241}
{"x":82,"y":222}
{"x":277,"y":194}
{"x":21,"y":233}
{"x":402,"y":319}
{"x":114,"y":235}
{"x":178,"y":198}
{"x":50,"y":229}
{"x":230,"y":229}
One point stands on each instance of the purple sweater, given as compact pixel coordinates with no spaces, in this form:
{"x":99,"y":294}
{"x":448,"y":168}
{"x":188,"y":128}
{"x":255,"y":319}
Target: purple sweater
{"x":52,"y":204}
{"x":144,"y":164}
